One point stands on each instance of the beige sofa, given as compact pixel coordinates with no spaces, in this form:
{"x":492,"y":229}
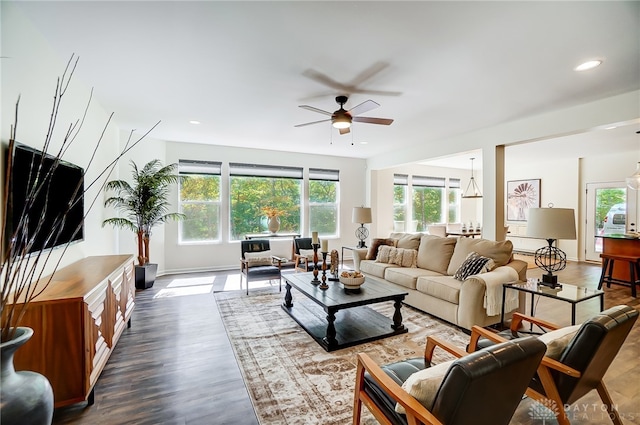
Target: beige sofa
{"x":430,"y":281}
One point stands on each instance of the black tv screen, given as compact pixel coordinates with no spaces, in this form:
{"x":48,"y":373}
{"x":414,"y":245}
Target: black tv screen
{"x":59,"y":203}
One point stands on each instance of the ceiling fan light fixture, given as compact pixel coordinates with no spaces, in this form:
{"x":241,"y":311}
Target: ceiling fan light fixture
{"x":341,"y":121}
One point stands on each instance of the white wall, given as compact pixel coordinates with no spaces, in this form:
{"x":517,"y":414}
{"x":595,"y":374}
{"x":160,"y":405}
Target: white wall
{"x":226,"y":255}
{"x":30,"y":71}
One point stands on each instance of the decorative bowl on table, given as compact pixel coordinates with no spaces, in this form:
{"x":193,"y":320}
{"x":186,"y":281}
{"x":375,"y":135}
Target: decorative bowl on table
{"x":351,"y":280}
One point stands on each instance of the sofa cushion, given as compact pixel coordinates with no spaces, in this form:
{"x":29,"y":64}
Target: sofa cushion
{"x":407,"y":240}
{"x":405,"y":276}
{"x":375,"y":245}
{"x":474,"y":264}
{"x":435,"y":253}
{"x":499,"y":251}
{"x":446,"y":288}
{"x":374,"y":268}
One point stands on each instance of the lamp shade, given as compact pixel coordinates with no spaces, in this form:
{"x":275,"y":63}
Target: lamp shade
{"x":551,"y":223}
{"x":361,"y":215}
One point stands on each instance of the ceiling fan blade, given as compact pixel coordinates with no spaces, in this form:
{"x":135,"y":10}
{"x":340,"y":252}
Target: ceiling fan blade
{"x":344,"y":130}
{"x":310,"y":123}
{"x":320,"y":111}
{"x":371,"y":120}
{"x":369,"y":73}
{"x":365,"y":106}
{"x":376,"y":92}
{"x":324,"y":80}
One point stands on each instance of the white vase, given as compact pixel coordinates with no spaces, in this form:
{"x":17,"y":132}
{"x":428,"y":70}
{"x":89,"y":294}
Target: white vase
{"x":273,"y":224}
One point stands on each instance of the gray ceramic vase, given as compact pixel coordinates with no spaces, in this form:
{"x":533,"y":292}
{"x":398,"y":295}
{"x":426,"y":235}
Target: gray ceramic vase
{"x":26,"y":398}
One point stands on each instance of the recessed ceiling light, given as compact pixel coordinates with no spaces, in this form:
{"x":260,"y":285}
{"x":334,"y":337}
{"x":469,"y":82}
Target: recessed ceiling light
{"x":194,"y":122}
{"x":364,"y":143}
{"x":588,"y":65}
{"x":610,"y":127}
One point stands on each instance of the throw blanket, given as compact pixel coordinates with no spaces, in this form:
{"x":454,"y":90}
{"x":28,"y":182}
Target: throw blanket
{"x":493,"y":293}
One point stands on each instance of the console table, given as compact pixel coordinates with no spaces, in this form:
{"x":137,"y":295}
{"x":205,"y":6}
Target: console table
{"x":76,"y":323}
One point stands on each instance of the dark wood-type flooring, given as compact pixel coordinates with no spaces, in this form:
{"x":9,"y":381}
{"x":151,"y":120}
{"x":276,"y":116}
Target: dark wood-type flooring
{"x":175,"y":364}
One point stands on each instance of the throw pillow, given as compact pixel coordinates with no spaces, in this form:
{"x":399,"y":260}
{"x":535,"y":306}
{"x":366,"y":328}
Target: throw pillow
{"x":424,"y":384}
{"x":385,"y":254}
{"x":558,"y":340}
{"x":474,"y":264}
{"x":375,"y":245}
{"x":307,"y":253}
{"x":262,"y":258}
{"x":403,"y":257}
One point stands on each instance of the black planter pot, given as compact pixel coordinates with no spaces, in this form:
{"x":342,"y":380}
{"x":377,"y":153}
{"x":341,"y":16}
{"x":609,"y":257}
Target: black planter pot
{"x":146,"y":275}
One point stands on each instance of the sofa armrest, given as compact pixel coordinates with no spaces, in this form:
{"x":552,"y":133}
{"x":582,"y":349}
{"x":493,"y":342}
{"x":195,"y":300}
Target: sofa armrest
{"x":520,"y":267}
{"x":359,"y":254}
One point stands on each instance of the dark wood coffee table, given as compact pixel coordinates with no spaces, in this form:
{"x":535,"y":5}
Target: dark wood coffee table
{"x":356,"y":325}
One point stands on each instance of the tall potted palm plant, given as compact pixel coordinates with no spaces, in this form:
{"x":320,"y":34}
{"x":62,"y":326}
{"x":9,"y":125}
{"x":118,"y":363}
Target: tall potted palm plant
{"x":144,"y":204}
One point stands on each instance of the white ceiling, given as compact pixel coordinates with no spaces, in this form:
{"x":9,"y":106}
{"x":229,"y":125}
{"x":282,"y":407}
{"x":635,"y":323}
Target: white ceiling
{"x":242,"y":68}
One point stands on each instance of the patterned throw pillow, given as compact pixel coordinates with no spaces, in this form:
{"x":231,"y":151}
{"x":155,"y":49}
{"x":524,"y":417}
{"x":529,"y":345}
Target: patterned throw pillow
{"x":474,"y":264}
{"x":385,"y":254}
{"x":399,"y":256}
{"x":262,"y":258}
{"x":307,"y":253}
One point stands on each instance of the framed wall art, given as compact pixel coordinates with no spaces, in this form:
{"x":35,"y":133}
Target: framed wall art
{"x":522,"y":195}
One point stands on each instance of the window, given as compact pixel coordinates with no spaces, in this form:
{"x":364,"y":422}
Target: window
{"x":427,"y":201}
{"x":400,"y":185}
{"x":323,"y":201}
{"x":453,"y":201}
{"x":255,"y":187}
{"x":199,"y":200}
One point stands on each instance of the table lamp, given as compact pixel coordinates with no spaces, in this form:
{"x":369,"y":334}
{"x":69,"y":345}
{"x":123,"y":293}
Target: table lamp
{"x":551,"y":224}
{"x":361,"y":215}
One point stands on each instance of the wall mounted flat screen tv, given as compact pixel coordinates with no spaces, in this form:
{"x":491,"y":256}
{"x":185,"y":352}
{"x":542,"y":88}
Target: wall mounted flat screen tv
{"x":58,"y":208}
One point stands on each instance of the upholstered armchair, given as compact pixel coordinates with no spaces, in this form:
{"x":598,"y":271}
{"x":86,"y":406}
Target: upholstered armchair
{"x":302,"y":254}
{"x":257,"y":262}
{"x":487,"y":384}
{"x":576,"y":359}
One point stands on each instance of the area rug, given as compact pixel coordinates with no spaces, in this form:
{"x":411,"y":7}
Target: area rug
{"x":291,"y":379}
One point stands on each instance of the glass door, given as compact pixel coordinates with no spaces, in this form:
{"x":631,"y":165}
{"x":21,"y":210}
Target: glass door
{"x":606,"y":214}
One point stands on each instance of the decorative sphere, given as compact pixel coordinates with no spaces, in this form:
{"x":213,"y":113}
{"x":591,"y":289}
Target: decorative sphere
{"x":362,"y":233}
{"x":551,"y":259}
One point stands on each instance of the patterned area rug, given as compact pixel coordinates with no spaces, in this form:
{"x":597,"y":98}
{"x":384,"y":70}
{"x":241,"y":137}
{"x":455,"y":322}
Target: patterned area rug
{"x":291,"y":379}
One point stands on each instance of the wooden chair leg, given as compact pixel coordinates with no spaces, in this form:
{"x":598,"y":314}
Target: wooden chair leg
{"x":552,"y":395}
{"x":610,"y":275}
{"x":357,"y":403}
{"x":606,"y":399}
{"x":632,"y":278}
{"x":603,"y":274}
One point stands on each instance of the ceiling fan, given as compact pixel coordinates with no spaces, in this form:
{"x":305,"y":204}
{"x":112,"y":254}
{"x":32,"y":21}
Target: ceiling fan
{"x":342,"y":119}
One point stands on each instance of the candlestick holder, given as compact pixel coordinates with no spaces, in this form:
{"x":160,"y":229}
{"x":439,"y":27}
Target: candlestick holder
{"x":315,"y":280}
{"x":324,"y":285}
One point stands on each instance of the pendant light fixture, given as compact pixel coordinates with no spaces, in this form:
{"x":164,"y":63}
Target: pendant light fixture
{"x":472,"y":191}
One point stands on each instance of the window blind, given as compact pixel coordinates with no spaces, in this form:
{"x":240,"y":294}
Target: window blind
{"x":428,"y":181}
{"x":401,"y":179}
{"x":322,"y":174}
{"x":255,"y":170}
{"x":187,"y":166}
{"x":454,"y":183}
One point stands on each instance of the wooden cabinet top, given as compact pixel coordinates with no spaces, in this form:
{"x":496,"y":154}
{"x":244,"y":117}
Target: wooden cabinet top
{"x":79,"y":279}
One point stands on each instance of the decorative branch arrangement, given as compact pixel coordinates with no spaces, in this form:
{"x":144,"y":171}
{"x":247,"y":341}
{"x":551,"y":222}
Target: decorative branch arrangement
{"x":20,"y":272}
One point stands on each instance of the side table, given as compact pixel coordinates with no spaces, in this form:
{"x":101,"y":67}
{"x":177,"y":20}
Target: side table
{"x":354,"y":249}
{"x":568,"y":293}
